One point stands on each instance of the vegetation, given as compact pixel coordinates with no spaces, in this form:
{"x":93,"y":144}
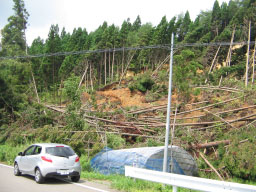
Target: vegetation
{"x":61,"y":98}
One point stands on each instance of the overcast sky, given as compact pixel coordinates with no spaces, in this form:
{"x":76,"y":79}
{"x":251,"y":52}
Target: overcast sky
{"x":90,"y":14}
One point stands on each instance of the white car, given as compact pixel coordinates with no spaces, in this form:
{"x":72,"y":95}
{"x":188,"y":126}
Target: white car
{"x":44,"y":160}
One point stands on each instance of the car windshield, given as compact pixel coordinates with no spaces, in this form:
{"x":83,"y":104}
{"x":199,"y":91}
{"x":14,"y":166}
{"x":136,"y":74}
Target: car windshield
{"x":60,"y":151}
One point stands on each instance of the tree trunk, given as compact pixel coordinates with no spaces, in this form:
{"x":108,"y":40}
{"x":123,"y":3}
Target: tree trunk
{"x":253,"y":63}
{"x":61,"y":82}
{"x":113,"y":62}
{"x":122,"y":62}
{"x":213,"y":62}
{"x":99,"y":73}
{"x":34,"y":83}
{"x":53,"y":81}
{"x":105,"y":68}
{"x":130,"y":59}
{"x":228,"y":59}
{"x":83,"y":77}
{"x":109,"y":65}
{"x":248,"y":55}
{"x":91,"y":75}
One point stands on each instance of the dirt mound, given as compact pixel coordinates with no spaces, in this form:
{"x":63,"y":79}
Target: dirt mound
{"x":122,"y":97}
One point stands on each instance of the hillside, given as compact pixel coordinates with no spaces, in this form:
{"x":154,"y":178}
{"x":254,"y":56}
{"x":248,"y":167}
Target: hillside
{"x":108,"y":88}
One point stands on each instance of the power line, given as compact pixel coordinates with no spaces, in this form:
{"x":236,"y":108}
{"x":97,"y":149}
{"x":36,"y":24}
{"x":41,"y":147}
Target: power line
{"x":166,"y":46}
{"x":87,"y":52}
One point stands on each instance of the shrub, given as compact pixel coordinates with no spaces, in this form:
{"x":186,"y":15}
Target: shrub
{"x":115,"y":141}
{"x":142,"y":83}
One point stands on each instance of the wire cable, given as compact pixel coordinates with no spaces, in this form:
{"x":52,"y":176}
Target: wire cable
{"x":165,"y":46}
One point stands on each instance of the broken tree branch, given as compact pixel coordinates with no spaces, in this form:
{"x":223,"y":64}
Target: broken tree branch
{"x":210,"y":165}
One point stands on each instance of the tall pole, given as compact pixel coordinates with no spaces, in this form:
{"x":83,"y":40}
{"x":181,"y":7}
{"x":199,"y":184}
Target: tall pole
{"x":168,"y":110}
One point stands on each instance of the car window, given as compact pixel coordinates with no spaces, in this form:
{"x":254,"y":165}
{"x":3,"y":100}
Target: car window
{"x":29,"y":151}
{"x":60,"y":151}
{"x":38,"y":150}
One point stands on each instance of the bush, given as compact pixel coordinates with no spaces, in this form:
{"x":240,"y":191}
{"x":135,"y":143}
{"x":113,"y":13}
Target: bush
{"x":142,"y":83}
{"x":85,"y":163}
{"x":8,"y":153}
{"x":115,"y":141}
{"x":240,"y":159}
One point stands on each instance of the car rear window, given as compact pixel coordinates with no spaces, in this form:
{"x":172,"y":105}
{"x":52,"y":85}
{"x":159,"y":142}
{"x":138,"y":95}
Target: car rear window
{"x":60,"y":151}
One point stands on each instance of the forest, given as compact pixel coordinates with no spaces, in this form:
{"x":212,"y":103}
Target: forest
{"x":54,"y":89}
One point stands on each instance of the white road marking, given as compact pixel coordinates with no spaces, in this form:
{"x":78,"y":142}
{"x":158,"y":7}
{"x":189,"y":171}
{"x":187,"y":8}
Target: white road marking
{"x":87,"y":187}
{"x":80,"y":185}
{"x":3,"y":165}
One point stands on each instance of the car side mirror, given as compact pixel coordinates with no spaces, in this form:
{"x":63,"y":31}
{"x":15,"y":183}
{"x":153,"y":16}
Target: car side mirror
{"x":20,"y":154}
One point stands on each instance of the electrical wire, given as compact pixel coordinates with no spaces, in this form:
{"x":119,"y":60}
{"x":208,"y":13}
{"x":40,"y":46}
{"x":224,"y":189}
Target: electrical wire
{"x":165,"y":46}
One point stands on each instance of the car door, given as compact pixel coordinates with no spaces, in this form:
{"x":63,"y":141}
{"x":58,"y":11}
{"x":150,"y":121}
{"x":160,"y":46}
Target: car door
{"x":26,"y":159}
{"x":33,"y":159}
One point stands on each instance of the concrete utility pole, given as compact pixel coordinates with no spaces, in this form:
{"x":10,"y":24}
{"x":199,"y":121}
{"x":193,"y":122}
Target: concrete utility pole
{"x":168,"y":110}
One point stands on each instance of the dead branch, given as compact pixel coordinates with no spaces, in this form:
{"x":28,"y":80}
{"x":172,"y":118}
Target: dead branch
{"x":220,"y":88}
{"x":208,"y":106}
{"x":219,"y":118}
{"x":210,"y":165}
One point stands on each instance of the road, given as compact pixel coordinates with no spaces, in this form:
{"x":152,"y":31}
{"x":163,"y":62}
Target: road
{"x":25,"y":183}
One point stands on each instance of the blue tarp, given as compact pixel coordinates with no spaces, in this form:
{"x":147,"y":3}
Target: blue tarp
{"x":110,"y":161}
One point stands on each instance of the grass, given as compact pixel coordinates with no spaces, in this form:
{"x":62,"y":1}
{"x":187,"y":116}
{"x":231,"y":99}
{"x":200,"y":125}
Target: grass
{"x":119,"y":182}
{"x":128,"y":184}
{"x":8,"y":153}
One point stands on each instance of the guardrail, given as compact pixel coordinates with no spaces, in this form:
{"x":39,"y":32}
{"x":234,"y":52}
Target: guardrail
{"x":188,"y":182}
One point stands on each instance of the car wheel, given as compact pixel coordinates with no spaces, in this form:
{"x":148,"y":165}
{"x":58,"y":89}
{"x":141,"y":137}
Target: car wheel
{"x":16,"y":170}
{"x":38,"y":176}
{"x":75,"y":178}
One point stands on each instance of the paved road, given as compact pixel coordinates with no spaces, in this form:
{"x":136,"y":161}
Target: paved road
{"x":25,"y":183}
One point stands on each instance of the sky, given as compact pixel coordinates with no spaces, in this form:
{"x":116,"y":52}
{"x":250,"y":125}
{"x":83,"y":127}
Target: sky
{"x":90,"y":14}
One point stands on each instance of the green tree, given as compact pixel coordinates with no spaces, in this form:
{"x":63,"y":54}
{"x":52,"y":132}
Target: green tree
{"x":13,"y":34}
{"x":185,"y":73}
{"x":37,"y":48}
{"x":216,"y":16}
{"x":137,"y":24}
{"x":184,"y":26}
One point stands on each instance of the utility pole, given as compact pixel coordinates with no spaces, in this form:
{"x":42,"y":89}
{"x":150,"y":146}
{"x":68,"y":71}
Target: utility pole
{"x":168,"y":110}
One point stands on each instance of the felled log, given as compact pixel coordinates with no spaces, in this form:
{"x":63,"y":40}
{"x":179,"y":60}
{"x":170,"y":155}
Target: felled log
{"x":208,"y":145}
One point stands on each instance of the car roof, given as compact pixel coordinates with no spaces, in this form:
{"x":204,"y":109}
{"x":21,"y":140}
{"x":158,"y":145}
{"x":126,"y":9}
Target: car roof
{"x":50,"y":144}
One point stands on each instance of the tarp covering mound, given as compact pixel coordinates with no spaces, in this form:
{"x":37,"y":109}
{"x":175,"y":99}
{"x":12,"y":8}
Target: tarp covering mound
{"x":113,"y":161}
